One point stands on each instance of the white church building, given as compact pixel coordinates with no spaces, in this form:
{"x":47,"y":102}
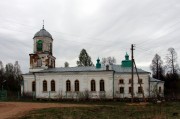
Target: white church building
{"x":44,"y":80}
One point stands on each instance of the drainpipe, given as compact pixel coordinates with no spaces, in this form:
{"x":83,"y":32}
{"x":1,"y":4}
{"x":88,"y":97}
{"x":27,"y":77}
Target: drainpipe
{"x":35,"y":84}
{"x":49,"y":95}
{"x":158,"y":88}
{"x":113,"y":84}
{"x":22,"y":84}
{"x":149,"y":87}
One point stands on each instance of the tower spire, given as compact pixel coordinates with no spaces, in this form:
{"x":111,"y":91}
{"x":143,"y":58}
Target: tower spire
{"x":43,"y":24}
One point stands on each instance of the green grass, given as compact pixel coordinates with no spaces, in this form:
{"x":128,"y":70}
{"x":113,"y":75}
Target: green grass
{"x":115,"y":110}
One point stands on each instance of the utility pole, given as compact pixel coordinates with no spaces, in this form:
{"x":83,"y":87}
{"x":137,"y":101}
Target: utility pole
{"x":132,"y":73}
{"x":139,"y":82}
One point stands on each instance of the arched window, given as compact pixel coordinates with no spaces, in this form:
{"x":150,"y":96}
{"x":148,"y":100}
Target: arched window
{"x":76,"y":85}
{"x":121,"y":81}
{"x":160,"y":89}
{"x":39,"y":62}
{"x":50,"y":47}
{"x":121,"y":89}
{"x":33,"y":86}
{"x":93,"y":85}
{"x":52,"y":85}
{"x":140,"y":81}
{"x":130,"y":89}
{"x":68,"y":85}
{"x":44,"y":85}
{"x":101,"y":85}
{"x":140,"y":89}
{"x":39,"y":45}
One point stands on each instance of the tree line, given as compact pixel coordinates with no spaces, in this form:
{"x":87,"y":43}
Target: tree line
{"x":85,"y":60}
{"x":10,"y":77}
{"x":167,"y":72}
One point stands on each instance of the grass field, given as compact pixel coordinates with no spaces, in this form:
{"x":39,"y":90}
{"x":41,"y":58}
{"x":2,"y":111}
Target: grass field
{"x":110,"y":110}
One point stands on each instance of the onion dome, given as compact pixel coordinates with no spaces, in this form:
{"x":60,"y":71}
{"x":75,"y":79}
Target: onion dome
{"x":98,"y":64}
{"x":127,"y":56}
{"x":43,"y":33}
{"x":126,"y":62}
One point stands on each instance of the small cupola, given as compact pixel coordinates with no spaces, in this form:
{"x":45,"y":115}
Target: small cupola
{"x":126,"y":56}
{"x":98,"y":64}
{"x":126,"y":62}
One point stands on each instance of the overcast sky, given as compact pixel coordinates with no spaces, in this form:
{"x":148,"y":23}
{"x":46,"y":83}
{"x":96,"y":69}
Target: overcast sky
{"x":103,"y":27}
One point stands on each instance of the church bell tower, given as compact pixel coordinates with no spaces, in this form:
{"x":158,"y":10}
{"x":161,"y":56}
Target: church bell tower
{"x":42,"y":56}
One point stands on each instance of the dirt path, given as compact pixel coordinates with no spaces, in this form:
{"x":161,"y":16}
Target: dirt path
{"x":16,"y":109}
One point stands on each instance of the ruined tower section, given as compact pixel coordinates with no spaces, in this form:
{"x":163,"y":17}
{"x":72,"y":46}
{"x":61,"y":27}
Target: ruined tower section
{"x":42,"y":56}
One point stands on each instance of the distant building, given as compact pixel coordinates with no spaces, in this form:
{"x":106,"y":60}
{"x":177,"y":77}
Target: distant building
{"x":44,"y":80}
{"x":156,"y":88}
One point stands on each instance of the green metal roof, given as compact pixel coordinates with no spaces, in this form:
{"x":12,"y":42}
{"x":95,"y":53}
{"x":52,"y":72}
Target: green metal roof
{"x":126,"y":62}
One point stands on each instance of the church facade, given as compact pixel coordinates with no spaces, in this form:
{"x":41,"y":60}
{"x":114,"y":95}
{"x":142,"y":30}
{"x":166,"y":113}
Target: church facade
{"x":44,"y":80}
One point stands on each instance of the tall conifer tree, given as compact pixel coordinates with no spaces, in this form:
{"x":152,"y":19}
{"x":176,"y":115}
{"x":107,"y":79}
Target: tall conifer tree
{"x":84,"y":59}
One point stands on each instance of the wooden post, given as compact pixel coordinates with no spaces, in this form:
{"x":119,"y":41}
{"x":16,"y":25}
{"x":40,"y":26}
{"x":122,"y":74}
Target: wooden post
{"x":132,"y":74}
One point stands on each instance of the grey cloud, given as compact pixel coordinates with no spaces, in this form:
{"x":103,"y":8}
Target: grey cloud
{"x":108,"y":30}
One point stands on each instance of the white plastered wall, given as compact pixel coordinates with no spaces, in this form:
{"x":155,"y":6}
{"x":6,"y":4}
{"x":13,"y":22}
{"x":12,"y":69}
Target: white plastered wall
{"x":60,"y":79}
{"x":126,"y":85}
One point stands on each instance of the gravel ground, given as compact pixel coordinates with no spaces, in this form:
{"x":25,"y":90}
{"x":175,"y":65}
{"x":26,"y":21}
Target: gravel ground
{"x":13,"y":110}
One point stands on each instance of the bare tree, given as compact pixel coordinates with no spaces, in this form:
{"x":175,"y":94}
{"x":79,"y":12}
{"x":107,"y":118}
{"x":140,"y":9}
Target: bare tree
{"x":18,"y":74}
{"x":1,"y":73}
{"x":109,"y":60}
{"x":17,"y":70}
{"x":157,"y":66}
{"x":66,"y":64}
{"x":1,"y":65}
{"x":171,"y":61}
{"x":172,"y":76}
{"x":1,"y":68}
{"x":103,"y":61}
{"x":9,"y":69}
